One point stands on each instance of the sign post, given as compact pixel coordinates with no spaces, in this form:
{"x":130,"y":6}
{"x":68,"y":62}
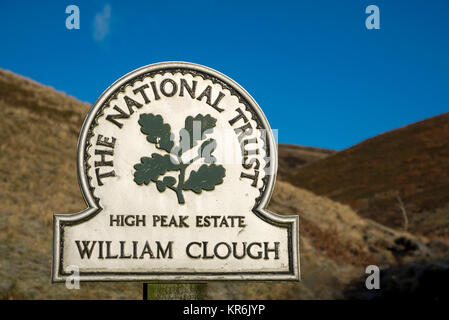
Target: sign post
{"x":176,"y":163}
{"x":174,"y":291}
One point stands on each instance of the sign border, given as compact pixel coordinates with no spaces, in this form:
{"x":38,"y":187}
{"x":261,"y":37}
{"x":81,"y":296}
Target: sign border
{"x":288,"y":222}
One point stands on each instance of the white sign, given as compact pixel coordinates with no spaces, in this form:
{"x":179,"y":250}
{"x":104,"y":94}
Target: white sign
{"x":176,"y":163}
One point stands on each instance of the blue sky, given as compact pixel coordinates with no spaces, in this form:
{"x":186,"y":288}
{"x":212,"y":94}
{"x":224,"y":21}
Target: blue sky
{"x":319,"y":75}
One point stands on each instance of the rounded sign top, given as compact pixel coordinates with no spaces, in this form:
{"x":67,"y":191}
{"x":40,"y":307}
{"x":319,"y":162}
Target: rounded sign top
{"x":208,"y":138}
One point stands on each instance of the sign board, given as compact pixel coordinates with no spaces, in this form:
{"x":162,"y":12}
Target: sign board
{"x":176,"y":163}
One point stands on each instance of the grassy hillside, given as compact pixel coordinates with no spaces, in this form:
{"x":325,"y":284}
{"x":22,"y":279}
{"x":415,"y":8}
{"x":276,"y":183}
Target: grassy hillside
{"x":292,"y":157}
{"x":38,"y":136}
{"x":412,"y":161}
{"x":335,"y":245}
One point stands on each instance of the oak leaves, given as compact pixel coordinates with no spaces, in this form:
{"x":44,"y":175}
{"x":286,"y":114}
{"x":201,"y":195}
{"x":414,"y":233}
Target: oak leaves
{"x":195,"y":131}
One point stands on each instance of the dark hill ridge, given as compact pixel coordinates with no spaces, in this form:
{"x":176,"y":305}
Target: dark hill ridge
{"x":412,"y":160}
{"x":292,"y":157}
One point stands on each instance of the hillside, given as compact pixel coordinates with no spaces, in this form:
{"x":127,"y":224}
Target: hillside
{"x":412,"y":161}
{"x":335,"y":244}
{"x":38,"y":137}
{"x":292,"y":157}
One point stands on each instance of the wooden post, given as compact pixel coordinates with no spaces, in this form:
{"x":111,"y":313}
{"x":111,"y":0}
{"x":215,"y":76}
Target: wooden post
{"x":176,"y":291}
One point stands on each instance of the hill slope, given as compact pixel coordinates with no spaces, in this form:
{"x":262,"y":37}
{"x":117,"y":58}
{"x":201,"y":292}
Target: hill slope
{"x":335,"y":245}
{"x":292,"y":157}
{"x":412,"y":161}
{"x":38,"y":136}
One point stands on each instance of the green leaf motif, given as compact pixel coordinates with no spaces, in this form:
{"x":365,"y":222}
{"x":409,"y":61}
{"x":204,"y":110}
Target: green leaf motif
{"x":149,"y":169}
{"x":195,"y":130}
{"x":155,"y":167}
{"x":206,"y":178}
{"x":156,"y":130}
{"x":206,"y":149}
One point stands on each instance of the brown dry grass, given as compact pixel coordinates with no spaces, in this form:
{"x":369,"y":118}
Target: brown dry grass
{"x":292,"y":157}
{"x":38,"y":137}
{"x":335,"y":245}
{"x":413,"y":160}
